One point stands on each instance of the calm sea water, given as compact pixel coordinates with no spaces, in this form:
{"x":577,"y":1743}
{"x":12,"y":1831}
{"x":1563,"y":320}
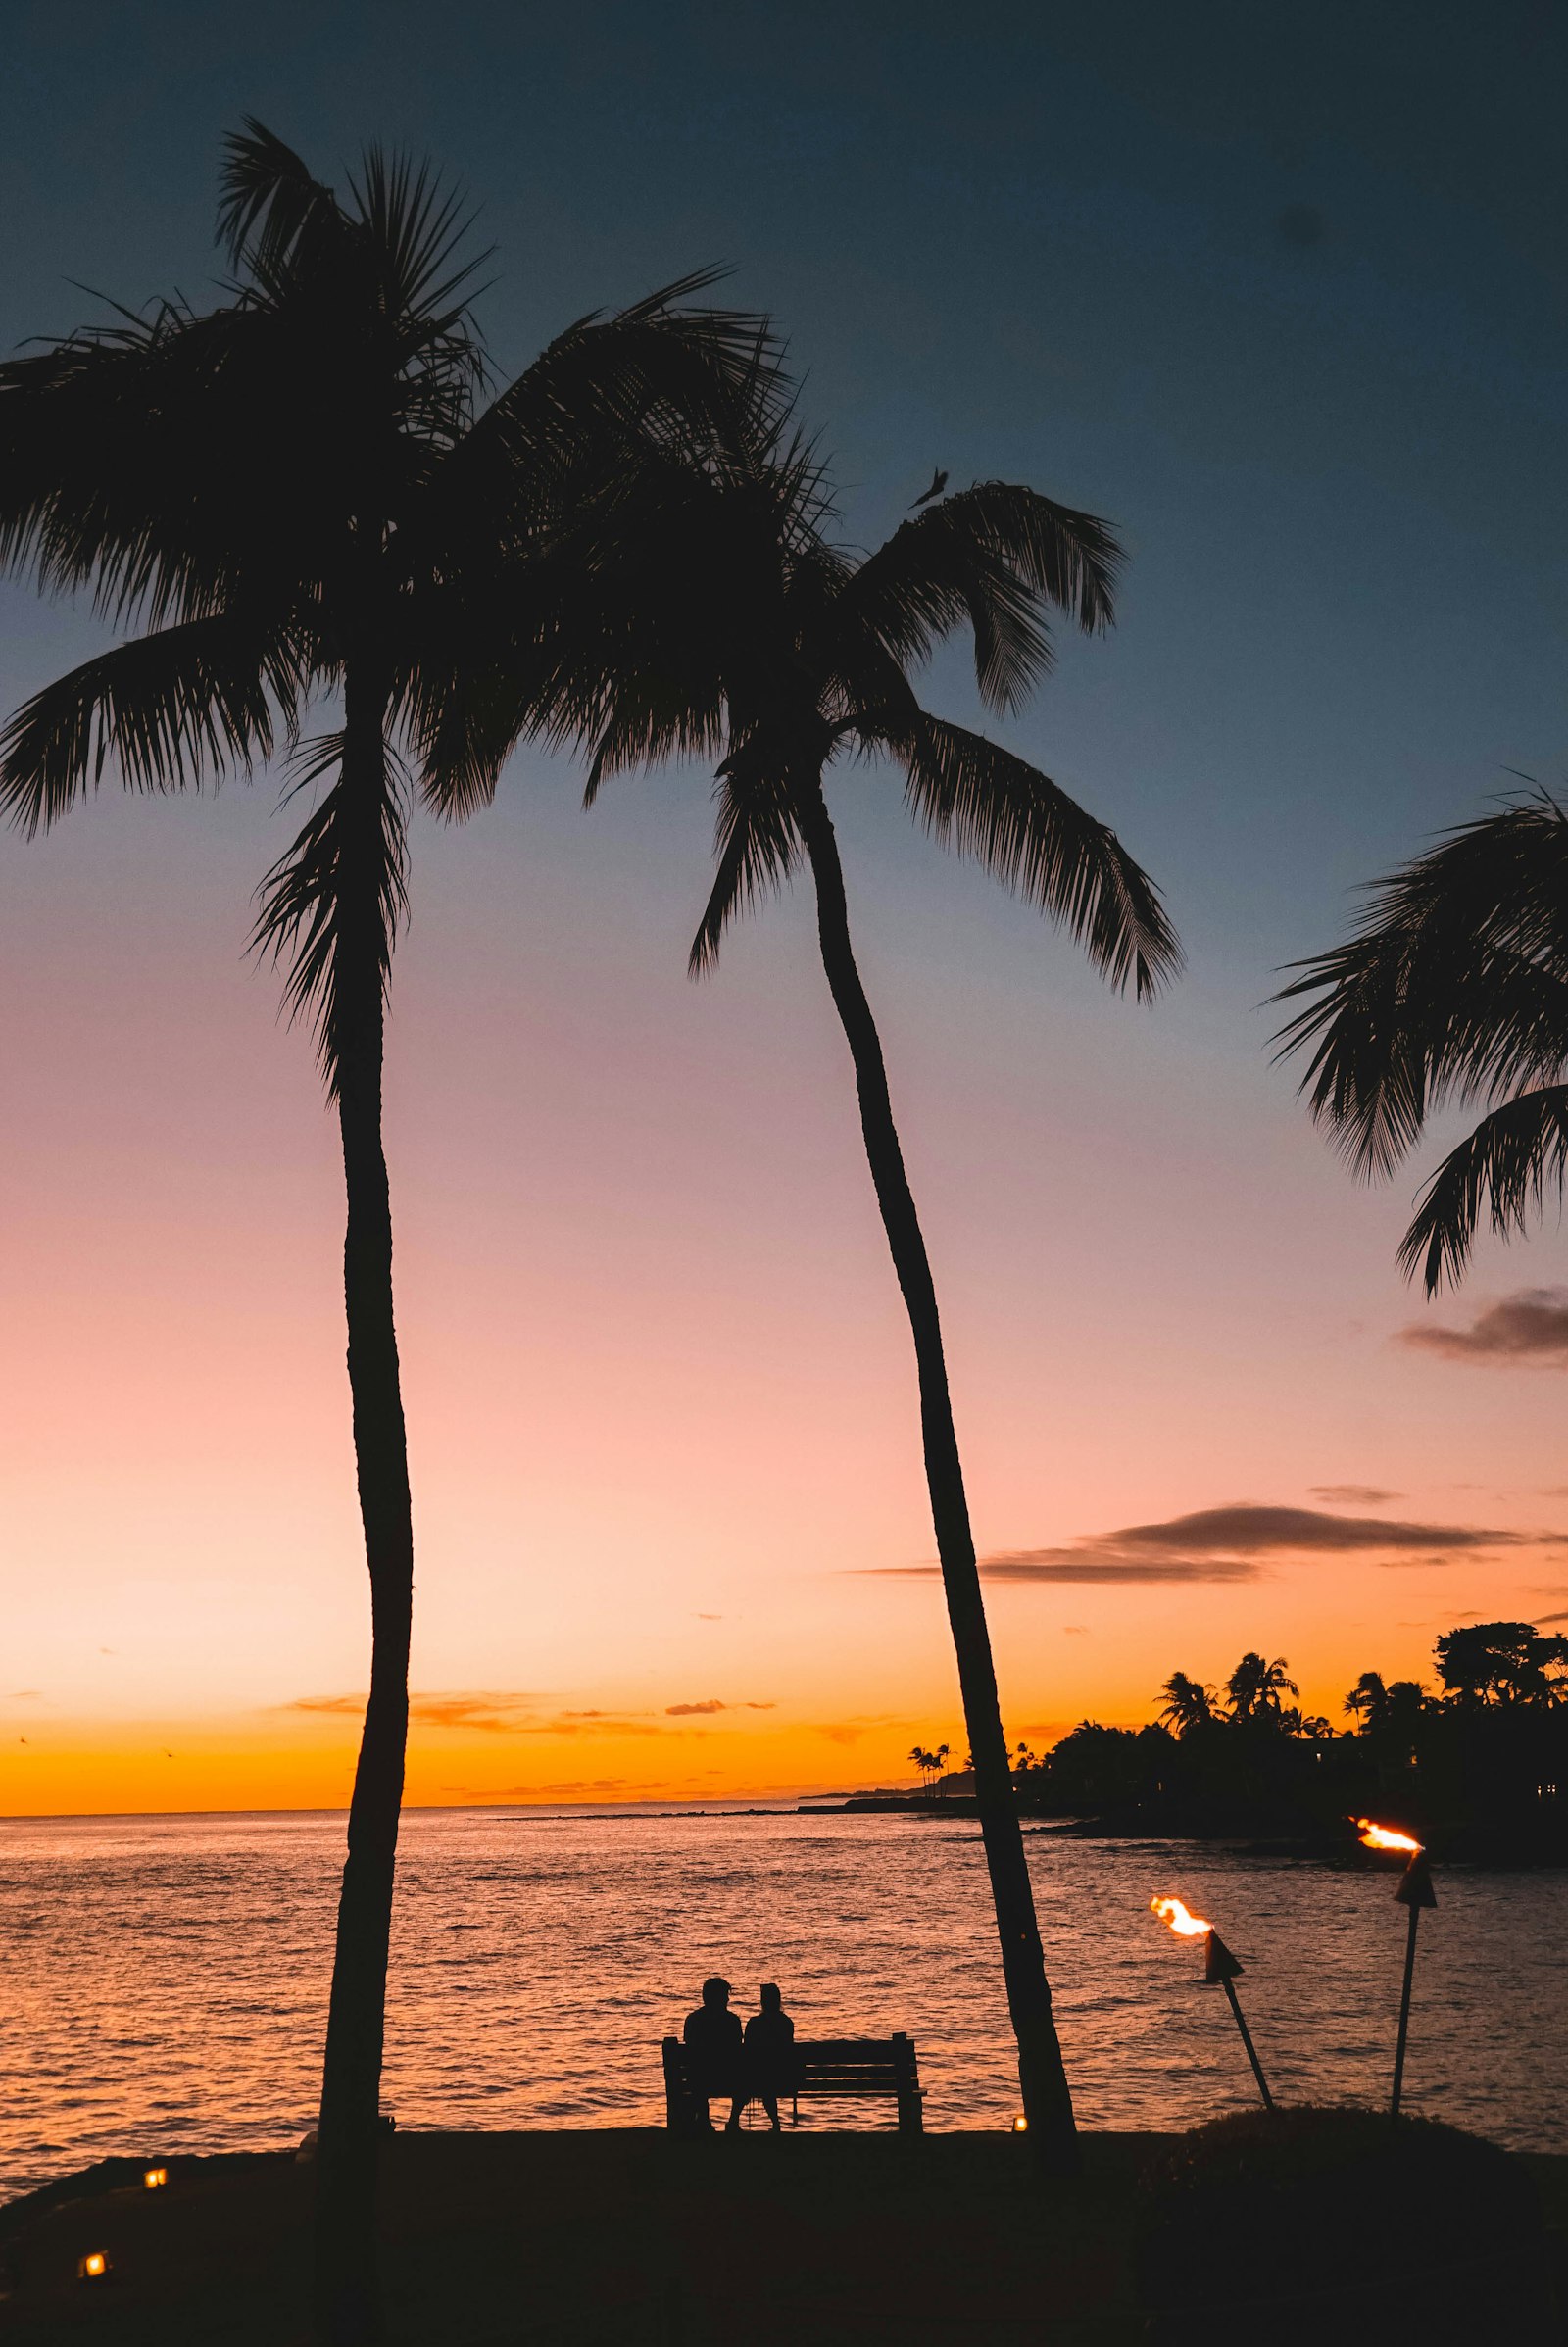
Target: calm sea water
{"x":163,"y":1980}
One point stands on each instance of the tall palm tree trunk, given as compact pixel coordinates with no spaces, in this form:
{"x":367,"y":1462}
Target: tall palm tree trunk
{"x":348,"y":2302}
{"x":1046,"y":2099}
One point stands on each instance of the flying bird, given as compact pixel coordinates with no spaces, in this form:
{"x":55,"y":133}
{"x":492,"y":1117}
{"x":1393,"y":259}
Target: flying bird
{"x":939,"y":481}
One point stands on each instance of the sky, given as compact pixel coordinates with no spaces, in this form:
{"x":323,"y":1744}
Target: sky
{"x":1280,"y":293}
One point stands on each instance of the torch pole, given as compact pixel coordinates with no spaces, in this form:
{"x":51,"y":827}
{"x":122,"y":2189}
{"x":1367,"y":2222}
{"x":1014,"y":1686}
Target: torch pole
{"x":1252,"y":2050}
{"x":1405,"y":2012}
{"x":1221,"y":1967}
{"x":1415,"y":1891}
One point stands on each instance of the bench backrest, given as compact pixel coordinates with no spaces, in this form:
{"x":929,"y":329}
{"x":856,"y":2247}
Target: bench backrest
{"x":831,"y":2067}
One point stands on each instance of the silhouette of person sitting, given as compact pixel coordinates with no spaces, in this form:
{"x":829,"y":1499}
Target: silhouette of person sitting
{"x":714,"y":2042}
{"x":769,"y":2068}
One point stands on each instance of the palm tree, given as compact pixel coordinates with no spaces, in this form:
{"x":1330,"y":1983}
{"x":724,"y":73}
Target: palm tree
{"x":299,"y":492}
{"x":1368,"y":1702}
{"x":1453,"y":989}
{"x":746,"y":630}
{"x":1256,"y":1687}
{"x":1189,"y":1704}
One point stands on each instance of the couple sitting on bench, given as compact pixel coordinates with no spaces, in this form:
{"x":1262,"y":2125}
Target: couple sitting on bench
{"x":755,"y":2063}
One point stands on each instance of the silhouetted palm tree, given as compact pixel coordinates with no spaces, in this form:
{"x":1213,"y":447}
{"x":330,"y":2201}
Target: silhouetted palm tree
{"x":1368,"y":1702}
{"x":1189,"y":1704}
{"x":302,"y":491}
{"x":1453,"y":989}
{"x":1256,"y":1687}
{"x":751,"y":632}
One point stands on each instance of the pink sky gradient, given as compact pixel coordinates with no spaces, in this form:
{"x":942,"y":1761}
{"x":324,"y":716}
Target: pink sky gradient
{"x":661,"y":1396}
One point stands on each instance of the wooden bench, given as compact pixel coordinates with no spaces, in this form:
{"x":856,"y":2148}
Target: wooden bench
{"x":826,"y":2069}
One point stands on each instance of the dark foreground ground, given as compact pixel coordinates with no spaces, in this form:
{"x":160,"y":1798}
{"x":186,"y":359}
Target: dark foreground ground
{"x":617,"y":2238}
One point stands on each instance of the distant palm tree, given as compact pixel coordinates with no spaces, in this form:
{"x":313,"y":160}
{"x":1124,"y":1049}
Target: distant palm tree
{"x":1453,"y":989}
{"x":302,"y":492}
{"x":1189,"y":1704}
{"x":753,"y":633}
{"x":1256,"y":1687}
{"x":1368,"y":1702}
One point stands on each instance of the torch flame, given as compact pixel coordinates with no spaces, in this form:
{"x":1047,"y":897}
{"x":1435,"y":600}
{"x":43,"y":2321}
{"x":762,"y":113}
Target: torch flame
{"x":1382,"y":1837}
{"x":1180,"y":1918}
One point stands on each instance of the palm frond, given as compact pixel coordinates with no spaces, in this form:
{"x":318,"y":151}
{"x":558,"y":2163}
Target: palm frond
{"x":414,"y":226}
{"x":348,"y":863}
{"x":1456,"y":986}
{"x":170,"y":711}
{"x":1503,"y":1167}
{"x":756,"y":848}
{"x":971,"y":794}
{"x":996,"y":558}
{"x":270,"y":203}
{"x":1072,"y":559}
{"x":581,"y":417}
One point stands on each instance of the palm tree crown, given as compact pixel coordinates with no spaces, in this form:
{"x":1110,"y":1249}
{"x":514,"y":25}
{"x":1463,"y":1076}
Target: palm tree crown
{"x":1453,"y":989}
{"x":736,"y":626}
{"x":1256,"y":1687}
{"x":1189,"y":1704}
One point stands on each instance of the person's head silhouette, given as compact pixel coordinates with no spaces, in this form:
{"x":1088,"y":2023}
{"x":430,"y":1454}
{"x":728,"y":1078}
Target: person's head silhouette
{"x":716,"y":1991}
{"x":773,"y":2002}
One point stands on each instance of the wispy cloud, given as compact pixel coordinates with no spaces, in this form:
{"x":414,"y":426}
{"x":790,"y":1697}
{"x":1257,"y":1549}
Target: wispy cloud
{"x":586,"y":1788}
{"x":1354,"y":1495}
{"x":1529,"y":1326}
{"x":1228,"y":1544}
{"x":711,"y":1704}
{"x":501,"y":1713}
{"x":493,"y":1713}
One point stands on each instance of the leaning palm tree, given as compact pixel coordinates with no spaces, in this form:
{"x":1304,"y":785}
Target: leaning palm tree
{"x":305,"y":491}
{"x":742,"y":628}
{"x":1455,"y":989}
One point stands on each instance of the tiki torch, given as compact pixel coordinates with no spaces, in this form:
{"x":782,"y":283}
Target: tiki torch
{"x":1415,"y":1891}
{"x":1220,"y":1970}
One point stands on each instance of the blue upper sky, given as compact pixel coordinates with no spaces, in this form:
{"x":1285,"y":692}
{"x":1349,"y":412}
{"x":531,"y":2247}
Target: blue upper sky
{"x":1280,"y":291}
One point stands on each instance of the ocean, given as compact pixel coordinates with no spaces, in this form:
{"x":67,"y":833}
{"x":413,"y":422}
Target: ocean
{"x":163,"y":1979}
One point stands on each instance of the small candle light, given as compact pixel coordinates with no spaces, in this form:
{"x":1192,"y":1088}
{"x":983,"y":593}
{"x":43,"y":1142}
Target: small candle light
{"x":1020,"y":2125}
{"x":94,"y":2267}
{"x":155,"y":2179}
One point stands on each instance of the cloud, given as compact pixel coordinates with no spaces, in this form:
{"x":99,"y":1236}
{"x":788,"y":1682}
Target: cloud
{"x":495,"y":1714}
{"x":686,"y":1711}
{"x":1226,"y":1543}
{"x":850,"y":1731}
{"x":1530,"y":1327}
{"x":589,"y":1786}
{"x":710,"y":1617}
{"x":1354,"y":1495}
{"x":499,"y":1713}
{"x":1075,"y":1629}
{"x":1084,"y":1564}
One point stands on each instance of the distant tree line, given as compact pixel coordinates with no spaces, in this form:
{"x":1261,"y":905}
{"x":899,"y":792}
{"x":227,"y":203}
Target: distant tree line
{"x":1477,"y":1765}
